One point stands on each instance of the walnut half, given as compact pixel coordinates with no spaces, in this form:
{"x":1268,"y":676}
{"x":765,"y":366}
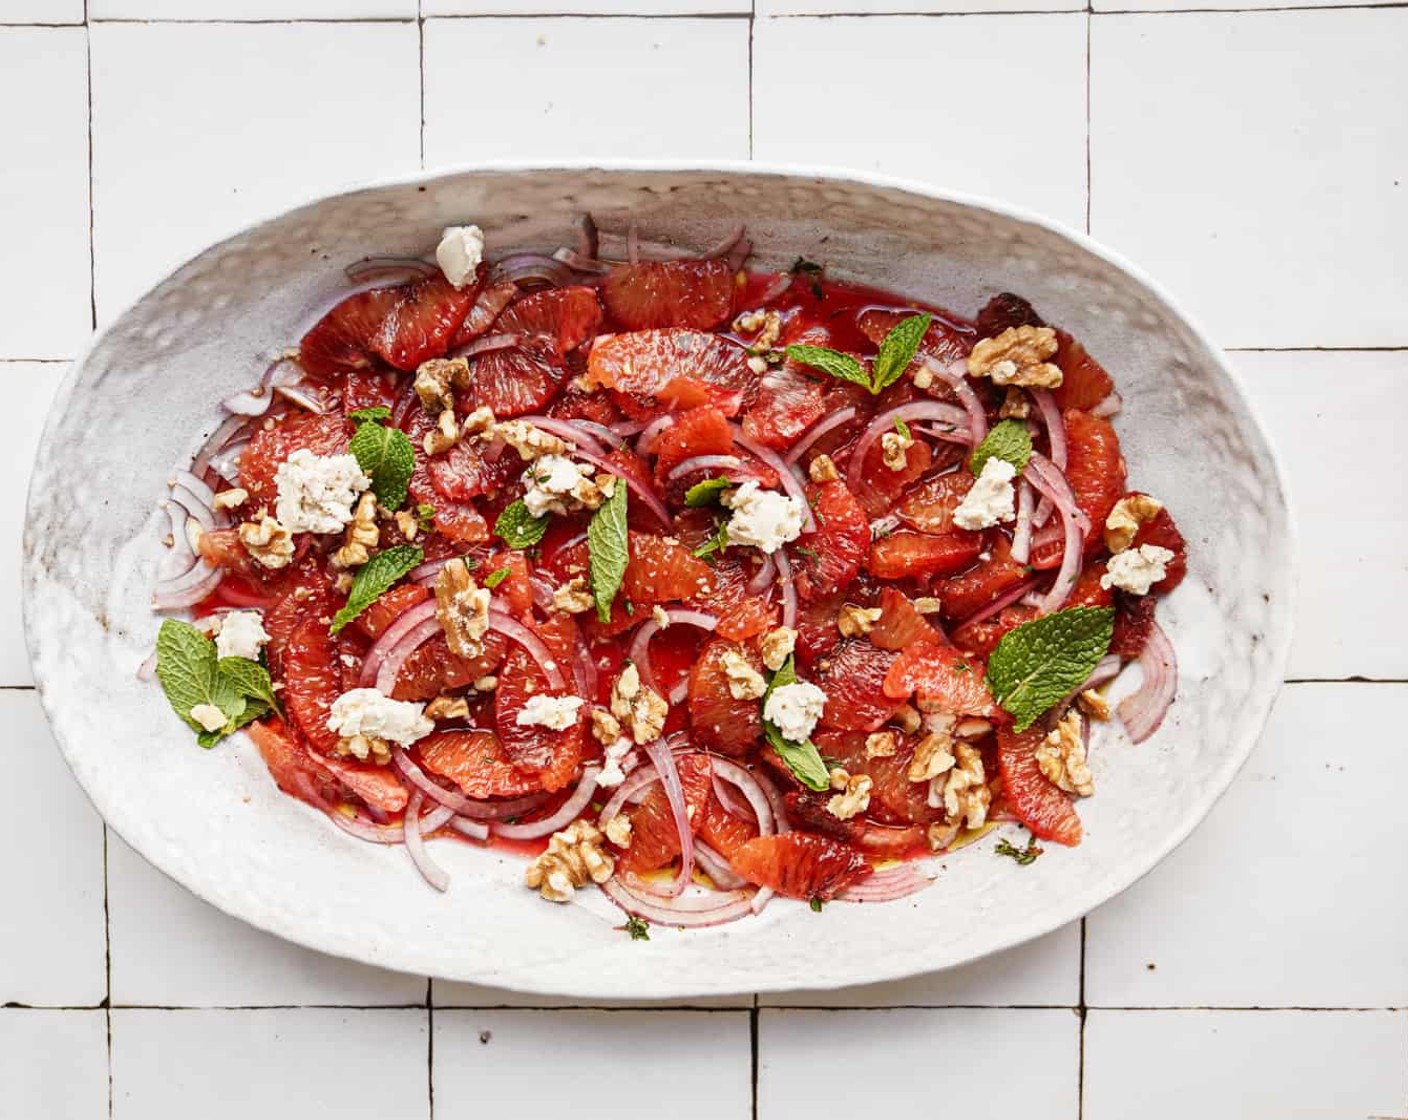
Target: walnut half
{"x":265,"y":539}
{"x":1018,"y":356}
{"x":462,"y":607}
{"x":1061,"y":756}
{"x":362,"y":535}
{"x":574,"y":857}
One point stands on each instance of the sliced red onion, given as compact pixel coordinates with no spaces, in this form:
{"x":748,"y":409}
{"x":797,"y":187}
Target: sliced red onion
{"x":397,"y":269}
{"x":887,"y":885}
{"x":463,"y":806}
{"x":189,"y":590}
{"x":1107,"y":669}
{"x":819,"y":429}
{"x":584,"y":673}
{"x":575,"y":260}
{"x":761,"y":898}
{"x":530,"y":269}
{"x":642,"y":491}
{"x":764,"y":576}
{"x":487,"y":344}
{"x":1022,"y":534}
{"x":726,"y":246}
{"x":626,"y":428}
{"x":704,"y":463}
{"x":726,"y":906}
{"x":568,"y":812}
{"x":391,"y":637}
{"x":717,"y":868}
{"x":1144,"y":711}
{"x":146,"y":671}
{"x":1006,"y":599}
{"x":396,"y":658}
{"x":732,"y":802}
{"x":789,"y":475}
{"x":307,"y":397}
{"x":758,"y":791}
{"x":603,"y":433}
{"x":948,"y":435}
{"x":632,"y":788}
{"x":228,"y":431}
{"x":954,"y":376}
{"x":434,"y":874}
{"x":1045,"y":476}
{"x":226,"y":461}
{"x":376,"y":833}
{"x":427,"y":572}
{"x":664,"y":759}
{"x":570,"y":430}
{"x":780,"y":283}
{"x":1074,"y":541}
{"x":633,"y":244}
{"x":1050,"y":415}
{"x":885,"y":422}
{"x":680,"y":692}
{"x":181,"y":556}
{"x":475,"y":830}
{"x":251,"y":402}
{"x":789,"y":589}
{"x":1108,"y":407}
{"x":645,"y":442}
{"x":515,"y":631}
{"x":640,"y":645}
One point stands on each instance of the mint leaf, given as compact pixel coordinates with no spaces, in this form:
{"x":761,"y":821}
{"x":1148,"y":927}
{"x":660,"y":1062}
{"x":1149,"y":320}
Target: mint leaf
{"x":518,"y":528}
{"x":385,"y":454}
{"x":1040,"y":662}
{"x":803,"y":759}
{"x":706,"y":493}
{"x":374,"y":578}
{"x":608,"y":549}
{"x":250,"y":678}
{"x":1008,"y":440}
{"x":830,"y":361}
{"x":1023,"y":856}
{"x":715,"y":544}
{"x":898,"y":350}
{"x":374,"y":414}
{"x":493,"y":579}
{"x":902,"y":427}
{"x":425,"y":517}
{"x":188,"y":668}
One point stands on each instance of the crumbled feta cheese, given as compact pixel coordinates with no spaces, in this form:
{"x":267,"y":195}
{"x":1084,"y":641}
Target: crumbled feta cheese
{"x":460,"y":252}
{"x":369,"y":713}
{"x":794,"y":709}
{"x":1137,"y":569}
{"x":209,"y":716}
{"x":241,"y":634}
{"x":991,"y":499}
{"x":557,"y":713}
{"x":611,"y":773}
{"x":555,"y":484}
{"x":317,"y":492}
{"x":764,"y":519}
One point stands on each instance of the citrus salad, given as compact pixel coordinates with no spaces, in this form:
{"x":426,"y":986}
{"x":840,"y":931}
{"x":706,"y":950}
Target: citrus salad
{"x":697,"y":583}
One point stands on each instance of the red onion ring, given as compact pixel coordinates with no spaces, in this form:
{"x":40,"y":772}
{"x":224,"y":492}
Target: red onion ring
{"x":717,"y":868}
{"x":227,"y":432}
{"x":632,"y":787}
{"x":643,"y":492}
{"x":1110,"y":406}
{"x":1056,"y":438}
{"x":389,"y":268}
{"x":427,"y":572}
{"x":1040,"y":470}
{"x":307,"y":397}
{"x":819,"y":429}
{"x":569,"y":430}
{"x":954,"y":376}
{"x":375,"y":833}
{"x":433,"y":873}
{"x":732,"y":802}
{"x":627,"y":427}
{"x":1022,"y":534}
{"x":640,"y":645}
{"x":780,"y":283}
{"x":664,"y":759}
{"x":565,"y":815}
{"x":887,"y":886}
{"x":576,"y":261}
{"x":645,"y":442}
{"x":462,"y":806}
{"x":885,"y":421}
{"x":167,"y":599}
{"x":529,"y":269}
{"x":1006,"y":599}
{"x":1074,"y":542}
{"x":789,"y":589}
{"x":475,"y":830}
{"x":704,"y":463}
{"x":1144,"y":711}
{"x":487,"y":344}
{"x":603,"y":433}
{"x":515,"y":631}
{"x":764,"y":576}
{"x":728,"y":907}
{"x":761,"y":795}
{"x":787,"y":475}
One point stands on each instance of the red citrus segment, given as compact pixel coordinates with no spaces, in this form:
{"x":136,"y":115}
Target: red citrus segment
{"x":900,"y":623}
{"x":879,"y":487}
{"x":511,"y":382}
{"x":299,"y":431}
{"x":342,"y":339}
{"x":1084,"y":382}
{"x":476,"y":762}
{"x":312,"y":681}
{"x":944,"y":342}
{"x":513,"y":591}
{"x":700,"y":431}
{"x":906,"y":554}
{"x":827,"y":561}
{"x":929,"y":507}
{"x":982,"y":637}
{"x":486,"y":309}
{"x":723,"y":831}
{"x":1095,"y":470}
{"x":1087,"y":591}
{"x":554,"y":756}
{"x":800,"y":865}
{"x":367,"y":389}
{"x":432,"y":669}
{"x":854,"y":683}
{"x":894,"y":799}
{"x":661,"y":571}
{"x":378,"y":786}
{"x":643,"y":363}
{"x":655,"y":837}
{"x":1037,"y":803}
{"x":566,"y":317}
{"x":422,"y":323}
{"x":940,"y":675}
{"x":691,"y":293}
{"x":384,"y":611}
{"x":719,"y":721}
{"x":290,"y":765}
{"x":748,"y":619}
{"x":466,"y":471}
{"x":789,"y":402}
{"x":816,"y":629}
{"x":964,"y":595}
{"x":1163,"y":533}
{"x":1134,"y":621}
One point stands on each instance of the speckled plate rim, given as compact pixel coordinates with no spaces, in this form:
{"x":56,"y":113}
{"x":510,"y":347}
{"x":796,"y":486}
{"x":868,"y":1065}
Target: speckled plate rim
{"x":1077,"y":903}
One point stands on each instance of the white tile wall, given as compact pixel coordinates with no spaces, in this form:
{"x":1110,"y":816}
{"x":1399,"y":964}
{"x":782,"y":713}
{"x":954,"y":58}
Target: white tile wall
{"x":1252,"y":160}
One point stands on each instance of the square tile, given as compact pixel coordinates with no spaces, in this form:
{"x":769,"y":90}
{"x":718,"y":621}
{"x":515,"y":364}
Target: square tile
{"x":693,"y":1063}
{"x":231,"y":1065}
{"x":584,"y":7}
{"x":912,"y":1059}
{"x":1234,"y":5}
{"x":251,"y":9}
{"x":1286,"y":896}
{"x":41,"y":11}
{"x":1237,"y":1065}
{"x":1350,"y":536}
{"x":29,"y":389}
{"x":684,"y":92}
{"x":1265,"y":185}
{"x":1020,"y":137}
{"x":173,"y":173}
{"x":169,"y":948}
{"x":1045,"y":972}
{"x":53,"y":1064}
{"x":45,"y":287}
{"x":51,"y":933}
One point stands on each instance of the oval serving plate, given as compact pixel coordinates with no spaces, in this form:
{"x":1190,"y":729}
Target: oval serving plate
{"x":147,"y":392}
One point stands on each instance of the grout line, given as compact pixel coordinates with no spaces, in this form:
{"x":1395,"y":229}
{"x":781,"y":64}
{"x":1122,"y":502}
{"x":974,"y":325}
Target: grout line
{"x":676,"y":1008}
{"x":1082,"y":1011}
{"x":430,"y":1046}
{"x":753,"y":1055}
{"x":1248,"y":11}
{"x":1345,"y":680}
{"x":132,"y":21}
{"x":41,"y":361}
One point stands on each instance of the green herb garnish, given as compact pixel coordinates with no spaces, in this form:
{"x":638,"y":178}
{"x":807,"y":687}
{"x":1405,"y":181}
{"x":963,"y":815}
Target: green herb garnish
{"x":608,"y":549}
{"x":1037,"y":664}
{"x":1009,"y":441}
{"x":896,"y":353}
{"x":518,"y":528}
{"x":375,"y":578}
{"x":385,"y":454}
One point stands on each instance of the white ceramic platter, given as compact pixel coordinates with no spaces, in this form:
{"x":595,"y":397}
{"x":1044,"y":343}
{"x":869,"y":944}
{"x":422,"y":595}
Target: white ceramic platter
{"x":146,"y":394}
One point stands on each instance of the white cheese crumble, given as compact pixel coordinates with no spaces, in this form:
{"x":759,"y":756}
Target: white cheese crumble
{"x":552,"y":484}
{"x":317,"y":492}
{"x":241,"y":634}
{"x":763,"y":519}
{"x":611,"y":773}
{"x":991,"y":499}
{"x":794,"y":709}
{"x":365,"y":711}
{"x":460,"y":252}
{"x":209,"y":716}
{"x":1137,"y":569}
{"x":557,"y":713}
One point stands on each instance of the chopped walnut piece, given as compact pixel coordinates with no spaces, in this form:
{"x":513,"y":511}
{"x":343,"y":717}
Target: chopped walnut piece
{"x":776,"y":646}
{"x":854,"y":795}
{"x":940,"y":835}
{"x":1061,"y":756}
{"x":444,"y":435}
{"x":927,"y":604}
{"x":605,"y":727}
{"x":1018,"y":356}
{"x":882,"y":744}
{"x":462,"y":607}
{"x":966,"y":796}
{"x":744,"y":681}
{"x":446,"y":706}
{"x":1094,"y":704}
{"x":641,"y":710}
{"x":530,"y":442}
{"x":407,"y":524}
{"x":1015,"y":405}
{"x":767,"y":324}
{"x":362,"y":535}
{"x":486,"y":684}
{"x":661,"y":616}
{"x":478,"y":422}
{"x":573,"y":597}
{"x":933,"y":756}
{"x":436,"y":378}
{"x":267,"y":541}
{"x":971,"y":727}
{"x":342,"y":584}
{"x":573,"y":858}
{"x":618,"y":830}
{"x":365,"y":748}
{"x":856,"y":622}
{"x":907,"y":718}
{"x":923,"y":377}
{"x":823,"y":469}
{"x":895,"y":450}
{"x":1123,"y":524}
{"x":231,"y":499}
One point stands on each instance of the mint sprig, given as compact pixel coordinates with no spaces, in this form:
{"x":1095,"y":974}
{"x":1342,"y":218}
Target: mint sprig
{"x":192,"y":673}
{"x":1009,"y":441}
{"x":608,"y":549}
{"x":375,"y":578}
{"x":803,"y":759}
{"x":706,"y":493}
{"x":518,"y":528}
{"x":897,"y":351}
{"x":710,"y":549}
{"x":1039,"y":663}
{"x":385,"y":454}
